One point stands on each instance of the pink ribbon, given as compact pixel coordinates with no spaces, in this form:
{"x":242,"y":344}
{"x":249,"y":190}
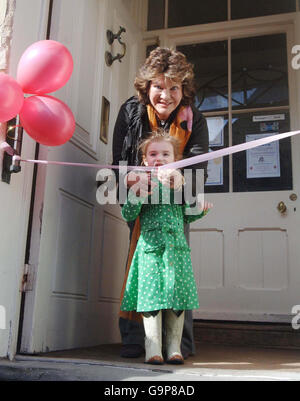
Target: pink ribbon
{"x":179,"y":164}
{"x":228,"y":151}
{"x":51,"y":162}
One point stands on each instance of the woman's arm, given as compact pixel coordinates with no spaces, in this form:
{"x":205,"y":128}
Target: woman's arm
{"x":120,"y":131}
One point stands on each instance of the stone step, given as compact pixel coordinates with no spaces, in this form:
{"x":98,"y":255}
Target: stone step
{"x":275,"y":335}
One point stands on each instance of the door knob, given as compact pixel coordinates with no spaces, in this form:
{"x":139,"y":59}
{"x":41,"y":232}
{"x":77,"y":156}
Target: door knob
{"x":281,"y":207}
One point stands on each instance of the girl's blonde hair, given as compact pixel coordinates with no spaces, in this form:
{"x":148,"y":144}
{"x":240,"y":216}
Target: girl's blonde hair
{"x":158,"y":136}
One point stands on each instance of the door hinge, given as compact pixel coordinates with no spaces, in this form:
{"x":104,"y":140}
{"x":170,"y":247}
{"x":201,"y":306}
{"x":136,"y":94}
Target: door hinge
{"x":27,"y":278}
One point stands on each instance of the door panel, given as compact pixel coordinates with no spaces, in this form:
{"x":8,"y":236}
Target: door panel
{"x":263,"y":259}
{"x":208,"y":250}
{"x":259,"y":262}
{"x":79,"y":247}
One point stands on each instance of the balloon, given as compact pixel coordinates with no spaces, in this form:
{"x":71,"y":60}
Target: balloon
{"x":11,"y":98}
{"x":44,"y":67}
{"x":47,"y":120}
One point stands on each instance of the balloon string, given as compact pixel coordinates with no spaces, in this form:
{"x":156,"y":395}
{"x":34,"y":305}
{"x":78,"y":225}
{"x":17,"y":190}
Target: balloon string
{"x":179,"y":164}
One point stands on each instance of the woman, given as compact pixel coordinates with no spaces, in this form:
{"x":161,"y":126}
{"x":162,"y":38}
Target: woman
{"x":165,"y":88}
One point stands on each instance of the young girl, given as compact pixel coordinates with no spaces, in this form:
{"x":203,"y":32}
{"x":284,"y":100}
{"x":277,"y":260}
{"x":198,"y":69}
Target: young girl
{"x":161,"y":275}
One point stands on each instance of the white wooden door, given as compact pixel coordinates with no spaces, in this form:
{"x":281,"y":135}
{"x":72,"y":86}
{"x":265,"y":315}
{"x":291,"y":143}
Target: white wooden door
{"x":246,"y":253}
{"x":25,"y":23}
{"x":78,"y":272}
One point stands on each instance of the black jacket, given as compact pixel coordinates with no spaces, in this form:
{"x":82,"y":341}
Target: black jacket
{"x":132,"y":125}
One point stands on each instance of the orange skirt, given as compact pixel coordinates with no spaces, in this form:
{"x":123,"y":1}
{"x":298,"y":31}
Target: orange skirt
{"x":132,"y":315}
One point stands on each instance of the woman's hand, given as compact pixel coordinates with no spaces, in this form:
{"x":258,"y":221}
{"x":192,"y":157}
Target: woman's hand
{"x":171,"y":178}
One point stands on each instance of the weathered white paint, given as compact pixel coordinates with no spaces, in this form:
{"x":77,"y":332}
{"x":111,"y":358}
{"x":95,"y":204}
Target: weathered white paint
{"x":3,"y":8}
{"x":7,"y":9}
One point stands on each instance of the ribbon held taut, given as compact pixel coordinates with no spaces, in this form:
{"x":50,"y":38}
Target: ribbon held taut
{"x":228,"y":151}
{"x":178,"y":164}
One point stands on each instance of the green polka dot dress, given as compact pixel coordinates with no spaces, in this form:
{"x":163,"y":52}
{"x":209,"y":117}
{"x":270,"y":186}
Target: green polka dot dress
{"x":161,"y":274}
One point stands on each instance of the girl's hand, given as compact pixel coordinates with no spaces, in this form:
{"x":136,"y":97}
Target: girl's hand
{"x":171,"y":178}
{"x":206,"y":206}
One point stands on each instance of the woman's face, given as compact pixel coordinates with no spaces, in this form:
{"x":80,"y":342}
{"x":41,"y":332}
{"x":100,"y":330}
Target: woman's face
{"x":165,"y":95}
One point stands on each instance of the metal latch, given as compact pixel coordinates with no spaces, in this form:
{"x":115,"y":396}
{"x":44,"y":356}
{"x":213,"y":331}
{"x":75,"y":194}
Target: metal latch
{"x":27,"y":278}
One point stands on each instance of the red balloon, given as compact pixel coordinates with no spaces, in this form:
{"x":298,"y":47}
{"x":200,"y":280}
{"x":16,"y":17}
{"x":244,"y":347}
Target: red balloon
{"x":44,"y":67}
{"x":47,"y":120}
{"x":11,"y":98}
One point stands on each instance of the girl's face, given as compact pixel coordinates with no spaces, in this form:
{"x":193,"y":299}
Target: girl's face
{"x":165,"y":95}
{"x":159,"y":153}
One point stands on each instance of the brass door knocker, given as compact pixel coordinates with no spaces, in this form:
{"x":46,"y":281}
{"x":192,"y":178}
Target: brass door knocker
{"x":281,"y":207}
{"x":109,"y":58}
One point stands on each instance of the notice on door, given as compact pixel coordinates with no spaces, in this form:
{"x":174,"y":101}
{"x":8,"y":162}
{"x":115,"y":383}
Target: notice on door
{"x":216,"y":130}
{"x":263,"y":161}
{"x":215,"y":172}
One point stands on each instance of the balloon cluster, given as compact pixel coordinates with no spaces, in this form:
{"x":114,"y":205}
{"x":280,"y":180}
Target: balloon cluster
{"x":44,"y":67}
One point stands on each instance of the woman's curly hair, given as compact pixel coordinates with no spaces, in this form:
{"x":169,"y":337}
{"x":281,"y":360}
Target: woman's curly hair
{"x":172,"y":64}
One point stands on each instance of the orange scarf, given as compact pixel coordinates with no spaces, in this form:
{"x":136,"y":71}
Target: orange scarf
{"x":181,"y":129}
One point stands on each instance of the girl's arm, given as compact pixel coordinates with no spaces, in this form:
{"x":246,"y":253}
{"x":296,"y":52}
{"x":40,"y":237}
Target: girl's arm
{"x":194,"y":213}
{"x":132,"y":207}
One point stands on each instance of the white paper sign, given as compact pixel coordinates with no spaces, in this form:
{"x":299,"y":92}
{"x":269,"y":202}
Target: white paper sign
{"x":273,"y":117}
{"x":216,"y":130}
{"x":215,"y":172}
{"x":263,"y":161}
